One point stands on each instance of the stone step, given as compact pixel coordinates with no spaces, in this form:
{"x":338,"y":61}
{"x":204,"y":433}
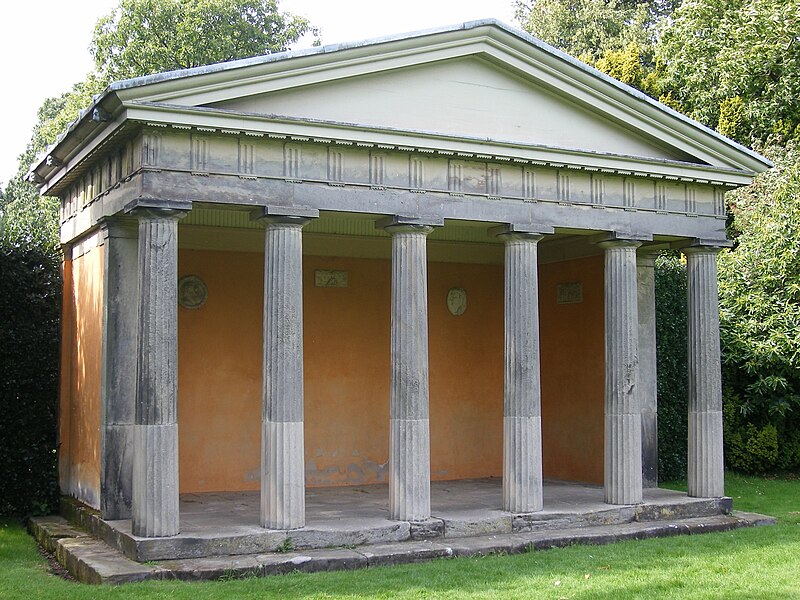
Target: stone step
{"x":93,"y":561}
{"x":448,"y":524}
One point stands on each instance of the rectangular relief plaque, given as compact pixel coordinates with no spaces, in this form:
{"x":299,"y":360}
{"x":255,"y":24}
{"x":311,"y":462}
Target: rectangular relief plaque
{"x":336,"y":279}
{"x":570,"y":293}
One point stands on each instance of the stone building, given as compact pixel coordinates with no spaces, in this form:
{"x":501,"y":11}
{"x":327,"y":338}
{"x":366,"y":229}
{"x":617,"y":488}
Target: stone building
{"x":419,"y":258}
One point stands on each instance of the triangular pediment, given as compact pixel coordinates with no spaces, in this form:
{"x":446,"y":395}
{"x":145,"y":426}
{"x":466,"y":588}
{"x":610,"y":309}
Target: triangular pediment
{"x":475,"y":89}
{"x":466,"y":97}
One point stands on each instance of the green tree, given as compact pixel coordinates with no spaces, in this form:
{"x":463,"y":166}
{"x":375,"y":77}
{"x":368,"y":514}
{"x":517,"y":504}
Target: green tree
{"x":149,"y":36}
{"x":139,"y":37}
{"x":586,"y":29}
{"x":617,"y":37}
{"x":760,"y":318}
{"x":735,"y":65}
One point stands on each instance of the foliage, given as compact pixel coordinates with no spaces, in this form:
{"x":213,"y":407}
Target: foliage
{"x":760,"y":309}
{"x":586,"y":28}
{"x":736,"y":56}
{"x":748,"y":449}
{"x":137,"y":38}
{"x":671,"y":349}
{"x":148,"y":36}
{"x":30,"y":292}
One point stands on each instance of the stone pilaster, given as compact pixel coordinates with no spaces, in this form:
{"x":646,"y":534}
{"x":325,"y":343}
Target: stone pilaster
{"x":282,"y":450}
{"x":706,"y":470}
{"x":118,"y":385}
{"x":155,"y":464}
{"x":522,"y":416}
{"x":409,"y":433}
{"x":648,"y":379}
{"x":623,"y":425}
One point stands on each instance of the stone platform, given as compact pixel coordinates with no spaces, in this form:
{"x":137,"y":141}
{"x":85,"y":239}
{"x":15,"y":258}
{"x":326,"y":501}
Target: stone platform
{"x":348,"y":527}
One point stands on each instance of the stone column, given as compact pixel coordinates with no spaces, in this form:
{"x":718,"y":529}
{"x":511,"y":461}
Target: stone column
{"x":623,"y":425}
{"x":155,"y":464}
{"x":522,"y":414}
{"x":409,"y":435}
{"x":706,"y":470}
{"x":648,"y":377}
{"x":120,"y":352}
{"x":283,"y":503}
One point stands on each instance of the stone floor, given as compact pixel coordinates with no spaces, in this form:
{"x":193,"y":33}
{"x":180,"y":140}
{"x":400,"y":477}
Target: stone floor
{"x":347,"y":527}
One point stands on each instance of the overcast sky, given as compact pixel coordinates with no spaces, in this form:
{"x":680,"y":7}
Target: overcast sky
{"x":44,"y":45}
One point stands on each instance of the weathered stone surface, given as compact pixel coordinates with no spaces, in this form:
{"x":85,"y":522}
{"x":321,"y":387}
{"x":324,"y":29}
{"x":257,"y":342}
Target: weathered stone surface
{"x":351,"y":535}
{"x":467,"y":524}
{"x":427,"y":530}
{"x":404,"y":552}
{"x":665,"y":513}
{"x":119,"y":358}
{"x":91,"y":561}
{"x":490,"y":544}
{"x":154,"y":507}
{"x":648,"y":377}
{"x":623,"y":425}
{"x":706,"y":476}
{"x":409,"y":433}
{"x":48,"y":530}
{"x":282,"y":467}
{"x":155,"y":480}
{"x":522,"y":423}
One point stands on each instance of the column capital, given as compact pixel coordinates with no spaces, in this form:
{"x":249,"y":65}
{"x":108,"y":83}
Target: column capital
{"x":405,"y":224}
{"x":119,"y":226}
{"x":520,"y":232}
{"x":158,"y":208}
{"x":701,"y":250}
{"x":620,"y":239}
{"x":646,"y":257}
{"x":284,"y":215}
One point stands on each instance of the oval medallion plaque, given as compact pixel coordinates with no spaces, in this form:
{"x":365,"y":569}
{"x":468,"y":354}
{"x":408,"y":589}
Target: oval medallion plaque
{"x":192,"y":292}
{"x":457,"y":301}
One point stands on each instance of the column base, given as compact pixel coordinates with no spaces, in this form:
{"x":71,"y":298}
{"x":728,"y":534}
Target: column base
{"x":522,"y":464}
{"x":155,"y":481}
{"x":706,"y":478}
{"x":283,"y":494}
{"x":409,"y":470}
{"x":623,"y":469}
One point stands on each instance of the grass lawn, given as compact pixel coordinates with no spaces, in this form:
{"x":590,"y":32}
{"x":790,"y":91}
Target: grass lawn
{"x":760,"y":562}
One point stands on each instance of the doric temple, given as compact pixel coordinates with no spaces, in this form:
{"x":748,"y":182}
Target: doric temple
{"x":411,"y":260}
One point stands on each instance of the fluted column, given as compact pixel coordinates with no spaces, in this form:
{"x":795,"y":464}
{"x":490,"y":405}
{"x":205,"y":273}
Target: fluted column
{"x":706,"y":471}
{"x":154,"y":507}
{"x":282,"y":448}
{"x":648,"y":376}
{"x":522,"y":416}
{"x":409,"y":434}
{"x":623,"y":426}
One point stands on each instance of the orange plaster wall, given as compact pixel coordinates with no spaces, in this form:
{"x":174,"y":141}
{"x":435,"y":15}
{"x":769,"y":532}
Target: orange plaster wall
{"x":347,"y":344}
{"x":466,"y":372}
{"x":347,"y":373}
{"x":82,"y":350}
{"x":219,"y":373}
{"x":573,"y":376}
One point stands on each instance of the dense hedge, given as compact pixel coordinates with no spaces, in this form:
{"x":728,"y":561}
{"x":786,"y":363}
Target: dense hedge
{"x":671,"y":348}
{"x":30,"y":304}
{"x":760,"y":320}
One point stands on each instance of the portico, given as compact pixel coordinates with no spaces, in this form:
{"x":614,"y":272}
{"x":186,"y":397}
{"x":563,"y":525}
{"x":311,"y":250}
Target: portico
{"x":467,"y":295}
